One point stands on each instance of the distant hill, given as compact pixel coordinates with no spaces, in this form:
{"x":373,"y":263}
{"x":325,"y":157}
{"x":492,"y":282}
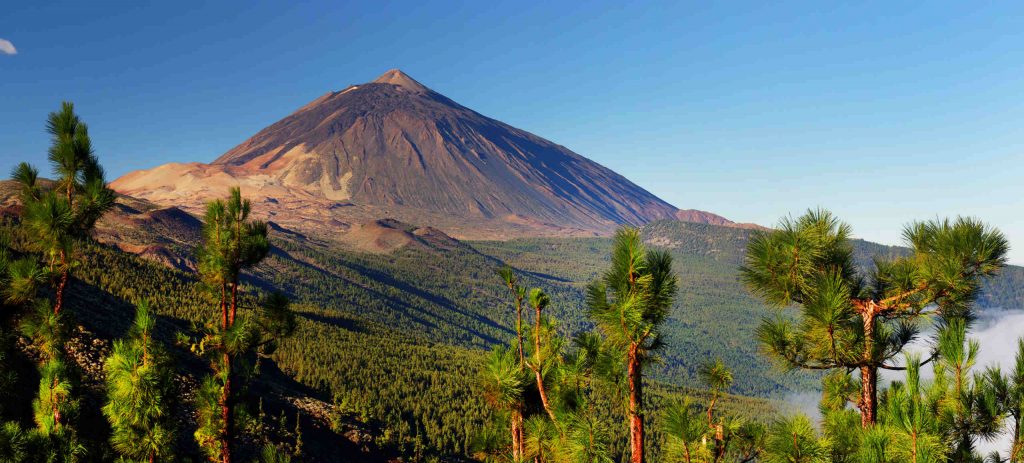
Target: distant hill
{"x":696,"y":216}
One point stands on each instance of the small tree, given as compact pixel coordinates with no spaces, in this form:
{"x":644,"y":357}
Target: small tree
{"x":544,"y":354}
{"x":629,"y":304}
{"x":508,"y":276}
{"x":1009,"y":391}
{"x":231,"y":242}
{"x":794,"y":440}
{"x":515,"y":411}
{"x":80,"y":197}
{"x":718,"y":378}
{"x":857,"y":321}
{"x":504,"y":381}
{"x":139,"y":393}
{"x":686,"y":434}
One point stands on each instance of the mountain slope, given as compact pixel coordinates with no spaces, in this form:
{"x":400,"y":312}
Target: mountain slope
{"x":393,"y":148}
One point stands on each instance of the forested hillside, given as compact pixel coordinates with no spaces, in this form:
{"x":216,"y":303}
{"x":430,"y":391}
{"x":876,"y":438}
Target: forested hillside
{"x":386,"y":387}
{"x":262,"y":343}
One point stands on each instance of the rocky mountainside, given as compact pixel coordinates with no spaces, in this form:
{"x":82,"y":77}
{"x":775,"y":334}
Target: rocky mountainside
{"x":393,"y":148}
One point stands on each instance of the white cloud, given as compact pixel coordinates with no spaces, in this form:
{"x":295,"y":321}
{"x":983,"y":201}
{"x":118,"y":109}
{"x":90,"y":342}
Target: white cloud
{"x":7,"y":48}
{"x":997,"y":332}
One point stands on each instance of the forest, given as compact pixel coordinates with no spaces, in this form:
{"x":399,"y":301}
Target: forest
{"x":666,"y":343}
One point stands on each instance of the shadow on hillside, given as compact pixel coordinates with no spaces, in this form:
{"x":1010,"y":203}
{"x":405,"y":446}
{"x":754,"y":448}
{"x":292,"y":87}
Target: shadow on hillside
{"x":345,"y":323}
{"x":436,"y":299}
{"x":417,"y":315}
{"x":278,"y":391}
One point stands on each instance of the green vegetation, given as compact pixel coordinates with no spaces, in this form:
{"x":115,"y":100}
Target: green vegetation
{"x":231,"y":243}
{"x":850,"y":320}
{"x":583,"y":350}
{"x":140,"y":393}
{"x":642,"y":286}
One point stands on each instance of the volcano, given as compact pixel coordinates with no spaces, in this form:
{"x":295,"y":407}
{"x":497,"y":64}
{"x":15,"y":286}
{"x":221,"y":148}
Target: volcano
{"x":394,"y":148}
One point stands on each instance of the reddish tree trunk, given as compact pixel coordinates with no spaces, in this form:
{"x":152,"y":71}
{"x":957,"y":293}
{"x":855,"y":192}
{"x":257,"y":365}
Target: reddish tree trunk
{"x":223,"y":306}
{"x":56,"y":411}
{"x":62,"y":284}
{"x":868,"y":372}
{"x":225,"y":409}
{"x":537,"y":370}
{"x":711,"y":410}
{"x":234,"y":302}
{"x":517,"y":436}
{"x":636,"y":417}
{"x":225,"y":398}
{"x":868,"y":395}
{"x":519,"y":327}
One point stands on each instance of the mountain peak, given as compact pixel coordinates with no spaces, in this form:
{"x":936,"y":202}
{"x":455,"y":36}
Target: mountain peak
{"x":401,"y":79}
{"x":394,"y":148}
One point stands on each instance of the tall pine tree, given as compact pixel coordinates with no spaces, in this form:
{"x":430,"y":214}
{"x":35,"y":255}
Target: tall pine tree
{"x":233,"y":242}
{"x":629,"y":304}
{"x":855,"y":320}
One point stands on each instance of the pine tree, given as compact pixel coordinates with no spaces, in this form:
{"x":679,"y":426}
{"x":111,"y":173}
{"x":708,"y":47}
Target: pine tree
{"x":221,"y":260}
{"x":918,"y":421}
{"x":15,"y":444}
{"x":503,"y":381}
{"x":140,"y":393}
{"x":80,"y":197}
{"x":515,"y":410}
{"x":232,"y":243}
{"x":909,"y":417}
{"x":686,"y":434}
{"x":54,"y":220}
{"x":508,"y":276}
{"x":852,"y":321}
{"x":642,"y":285}
{"x":718,"y":378}
{"x":794,"y":440}
{"x":543,"y":354}
{"x":1009,"y":391}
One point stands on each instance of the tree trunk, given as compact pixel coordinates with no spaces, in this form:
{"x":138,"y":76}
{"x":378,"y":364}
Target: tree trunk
{"x":53,"y":403}
{"x":868,"y":395}
{"x":234,"y":302}
{"x":538,"y":367}
{"x":225,"y":398}
{"x":62,"y":284}
{"x":868,"y":371}
{"x":636,"y":417}
{"x":517,"y":436}
{"x":1017,"y":450}
{"x":711,"y":410}
{"x":519,"y":327}
{"x":224,"y":306}
{"x":225,"y":410}
{"x":544,"y":396}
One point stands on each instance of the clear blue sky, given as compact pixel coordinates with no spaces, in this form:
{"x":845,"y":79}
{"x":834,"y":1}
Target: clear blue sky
{"x":883,"y":112}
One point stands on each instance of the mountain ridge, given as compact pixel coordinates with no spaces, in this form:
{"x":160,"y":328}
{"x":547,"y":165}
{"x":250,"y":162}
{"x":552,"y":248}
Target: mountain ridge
{"x":393,"y":148}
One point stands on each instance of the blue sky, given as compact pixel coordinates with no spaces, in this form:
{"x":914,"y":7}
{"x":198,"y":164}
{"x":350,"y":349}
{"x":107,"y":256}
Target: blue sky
{"x":883,"y":112}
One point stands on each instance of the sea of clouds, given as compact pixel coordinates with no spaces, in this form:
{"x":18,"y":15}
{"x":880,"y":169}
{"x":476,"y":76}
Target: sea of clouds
{"x":997,"y":332}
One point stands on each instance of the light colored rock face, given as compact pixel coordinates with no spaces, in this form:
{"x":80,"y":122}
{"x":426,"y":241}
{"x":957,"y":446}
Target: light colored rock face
{"x":394,"y":148}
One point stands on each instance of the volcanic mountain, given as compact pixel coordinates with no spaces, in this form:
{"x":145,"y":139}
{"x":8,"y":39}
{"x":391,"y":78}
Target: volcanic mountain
{"x":393,"y":148}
